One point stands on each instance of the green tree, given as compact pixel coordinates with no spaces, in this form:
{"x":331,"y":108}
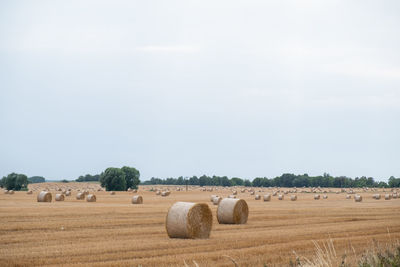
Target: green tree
{"x":131,"y":176}
{"x":113,"y":179}
{"x":237,"y":181}
{"x":15,"y":181}
{"x":36,"y":179}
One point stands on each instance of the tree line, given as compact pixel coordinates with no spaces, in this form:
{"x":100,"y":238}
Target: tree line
{"x":285,"y":180}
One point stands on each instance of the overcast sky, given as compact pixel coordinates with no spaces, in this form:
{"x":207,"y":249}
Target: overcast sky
{"x":237,"y":88}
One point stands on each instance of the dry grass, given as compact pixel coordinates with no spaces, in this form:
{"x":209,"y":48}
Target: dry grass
{"x":114,"y":232}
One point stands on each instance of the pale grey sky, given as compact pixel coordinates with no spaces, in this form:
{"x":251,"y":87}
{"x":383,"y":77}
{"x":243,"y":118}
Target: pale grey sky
{"x":237,"y":88}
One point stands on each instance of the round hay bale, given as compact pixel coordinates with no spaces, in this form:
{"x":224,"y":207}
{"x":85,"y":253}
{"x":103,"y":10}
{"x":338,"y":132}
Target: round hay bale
{"x":189,"y":220}
{"x":257,"y":197}
{"x":158,"y":193}
{"x":348,"y":197}
{"x":44,"y":196}
{"x":388,"y":196}
{"x":165,"y":193}
{"x":293,"y":197}
{"x":231,"y":196}
{"x":357,"y":198}
{"x":212,"y":197}
{"x":80,"y":196}
{"x":137,"y":200}
{"x":68,"y":193}
{"x":59,"y":197}
{"x":274,"y":193}
{"x":325,"y":197}
{"x":281,"y":197}
{"x":316,"y":197}
{"x":217,"y":200}
{"x":10,"y":192}
{"x":112,"y":193}
{"x":5,"y":191}
{"x":91,"y":198}
{"x":267,"y":197}
{"x":29,"y":192}
{"x":377,"y":196}
{"x":232,"y":211}
{"x":252,"y":192}
{"x":234,"y":192}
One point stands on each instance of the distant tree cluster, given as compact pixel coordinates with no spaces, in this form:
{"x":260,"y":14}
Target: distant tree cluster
{"x":120,"y":179}
{"x":36,"y":179}
{"x":88,"y":178}
{"x":285,"y":180}
{"x":14,"y":181}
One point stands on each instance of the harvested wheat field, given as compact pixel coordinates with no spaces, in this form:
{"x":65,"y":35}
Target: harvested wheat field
{"x":114,"y":232}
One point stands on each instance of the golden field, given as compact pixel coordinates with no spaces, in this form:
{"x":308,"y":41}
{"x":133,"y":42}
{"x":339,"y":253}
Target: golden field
{"x":114,"y":232}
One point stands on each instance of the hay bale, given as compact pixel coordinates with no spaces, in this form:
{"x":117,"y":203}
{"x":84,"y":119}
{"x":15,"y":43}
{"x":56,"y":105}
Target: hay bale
{"x":376,"y":196}
{"x":165,"y":193}
{"x":59,"y":197}
{"x":394,"y":195}
{"x":325,"y":197}
{"x":5,"y":191}
{"x":231,"y":196}
{"x":232,"y":211}
{"x":44,"y":196}
{"x":216,"y":200}
{"x":29,"y":192}
{"x":137,"y":200}
{"x":112,"y":193}
{"x":267,"y":197}
{"x":293,"y":197}
{"x":357,"y":198}
{"x":348,"y":197}
{"x":68,"y":193}
{"x":91,"y":198}
{"x":234,"y":192}
{"x":388,"y":196}
{"x":252,"y":192}
{"x":212,"y":197}
{"x":316,"y":197}
{"x":80,"y":196}
{"x":281,"y":197}
{"x":257,"y":197}
{"x":10,"y":192}
{"x":189,"y":220}
{"x":158,"y":193}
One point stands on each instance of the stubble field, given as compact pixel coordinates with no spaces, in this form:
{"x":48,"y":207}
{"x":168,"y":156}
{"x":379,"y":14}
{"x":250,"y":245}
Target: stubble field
{"x":114,"y":232}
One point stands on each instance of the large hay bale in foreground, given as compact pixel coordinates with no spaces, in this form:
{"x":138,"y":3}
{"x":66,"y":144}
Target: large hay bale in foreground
{"x":357,"y":198}
{"x":137,"y":200}
{"x":293,"y":197}
{"x":232,"y":211}
{"x":59,"y":197}
{"x":189,"y":220}
{"x":267,"y":197}
{"x":91,"y":198}
{"x":80,"y":196}
{"x":44,"y":196}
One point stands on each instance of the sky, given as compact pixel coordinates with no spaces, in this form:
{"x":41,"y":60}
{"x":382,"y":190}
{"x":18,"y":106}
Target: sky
{"x":240,"y":88}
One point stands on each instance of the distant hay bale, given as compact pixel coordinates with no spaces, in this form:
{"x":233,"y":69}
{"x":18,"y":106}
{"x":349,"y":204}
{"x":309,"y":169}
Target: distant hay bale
{"x":137,"y":200}
{"x":165,"y":193}
{"x":10,"y":192}
{"x":91,"y":198}
{"x":231,"y":196}
{"x":252,"y":192}
{"x":189,"y":220}
{"x":357,"y":198}
{"x":281,"y":197}
{"x":29,"y":192}
{"x":80,"y":196}
{"x":316,"y":197}
{"x":348,"y":197}
{"x":267,"y":197}
{"x":216,"y":200}
{"x":293,"y":197}
{"x":212,"y":197}
{"x":234,"y":192}
{"x":59,"y":197}
{"x":112,"y":193}
{"x":394,"y":195}
{"x":158,"y":193}
{"x":68,"y":193}
{"x":257,"y":197}
{"x":376,"y":196}
{"x":388,"y":196}
{"x":44,"y":196}
{"x":232,"y":211}
{"x":274,"y":193}
{"x":325,"y":196}
{"x":5,"y":191}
